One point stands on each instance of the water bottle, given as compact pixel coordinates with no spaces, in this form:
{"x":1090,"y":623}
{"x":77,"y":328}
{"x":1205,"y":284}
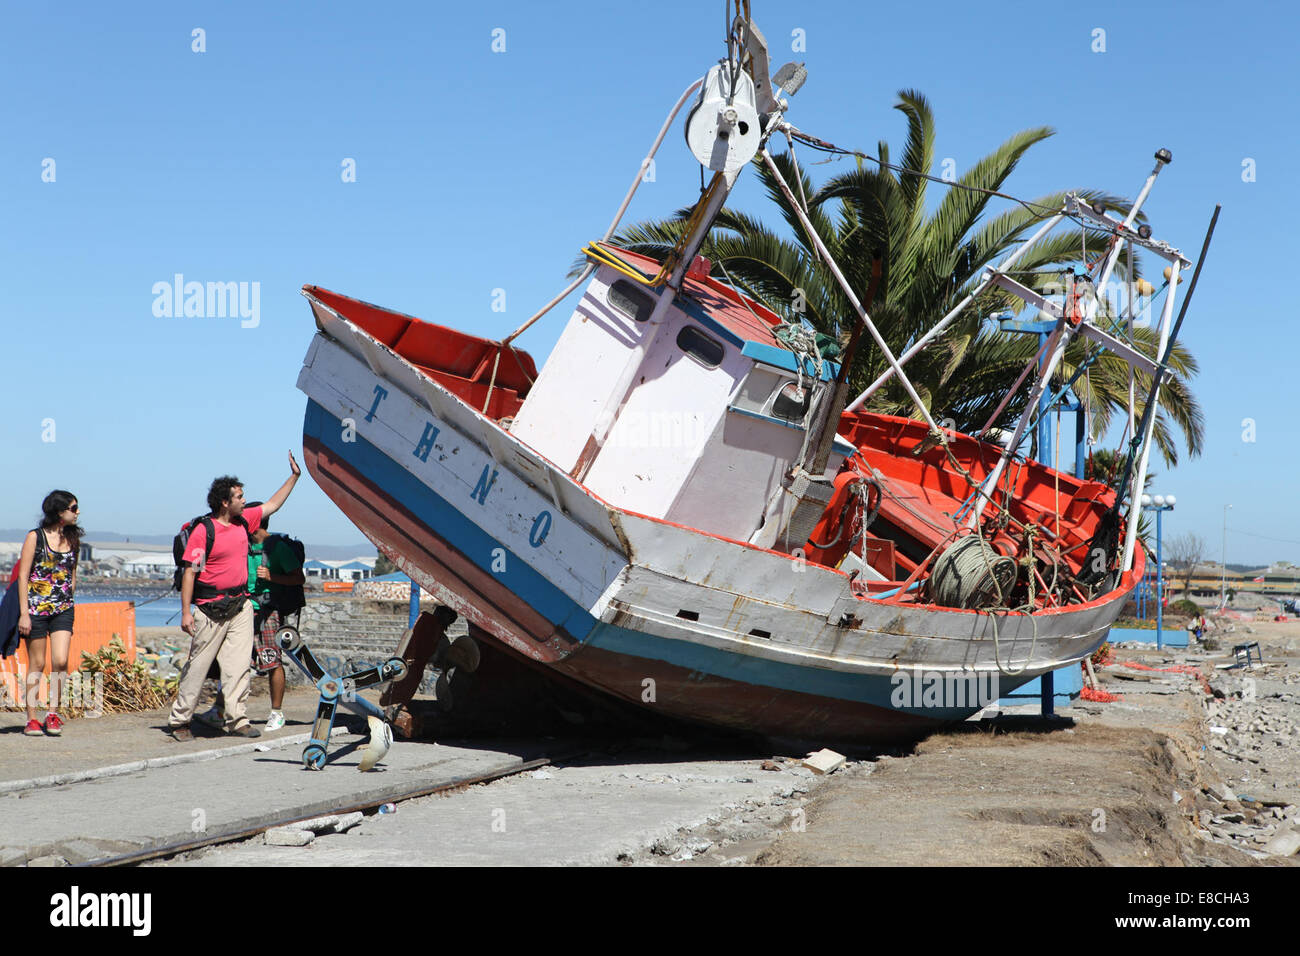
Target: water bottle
{"x":388,"y":808}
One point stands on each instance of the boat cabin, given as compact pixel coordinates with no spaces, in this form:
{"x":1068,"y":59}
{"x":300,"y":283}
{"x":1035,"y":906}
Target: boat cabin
{"x":715,"y":414}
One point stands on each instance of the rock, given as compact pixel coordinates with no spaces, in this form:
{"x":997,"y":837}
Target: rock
{"x":824,"y":761}
{"x":48,"y":861}
{"x":1286,"y":843}
{"x":1222,"y":792}
{"x":347,"y":821}
{"x":12,"y":856}
{"x":666,"y":847}
{"x":770,"y":765}
{"x":333,"y":823}
{"x":288,"y":836}
{"x":315,"y":824}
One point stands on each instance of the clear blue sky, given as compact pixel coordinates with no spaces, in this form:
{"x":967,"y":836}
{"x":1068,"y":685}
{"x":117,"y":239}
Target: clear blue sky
{"x":479,"y":170}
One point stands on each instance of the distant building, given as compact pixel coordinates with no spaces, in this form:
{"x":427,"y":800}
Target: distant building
{"x":1209,"y":579}
{"x":353,"y":569}
{"x":99,"y":550}
{"x":11,"y":550}
{"x":147,"y":564}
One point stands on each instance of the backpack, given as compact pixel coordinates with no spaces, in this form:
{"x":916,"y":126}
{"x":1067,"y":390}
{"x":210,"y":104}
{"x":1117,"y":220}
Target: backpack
{"x":182,"y":539}
{"x":287,"y":598}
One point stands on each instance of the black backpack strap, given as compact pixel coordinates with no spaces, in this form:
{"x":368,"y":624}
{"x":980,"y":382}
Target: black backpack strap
{"x":210,"y":527}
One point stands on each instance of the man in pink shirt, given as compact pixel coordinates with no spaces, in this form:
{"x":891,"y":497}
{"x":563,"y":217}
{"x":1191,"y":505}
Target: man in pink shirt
{"x":222,"y":628}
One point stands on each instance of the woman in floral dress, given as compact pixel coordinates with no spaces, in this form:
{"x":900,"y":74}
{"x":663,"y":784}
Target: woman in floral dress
{"x":47,"y":581}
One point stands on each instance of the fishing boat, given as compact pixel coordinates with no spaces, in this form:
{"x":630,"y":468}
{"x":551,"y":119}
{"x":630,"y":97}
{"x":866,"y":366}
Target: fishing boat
{"x":682,"y":510}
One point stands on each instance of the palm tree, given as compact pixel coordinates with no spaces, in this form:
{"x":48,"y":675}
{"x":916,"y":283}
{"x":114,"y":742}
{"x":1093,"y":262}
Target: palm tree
{"x":930,"y":262}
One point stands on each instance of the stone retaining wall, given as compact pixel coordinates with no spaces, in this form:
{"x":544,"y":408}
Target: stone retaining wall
{"x":344,"y":629}
{"x":362,"y":631}
{"x":388,"y":591}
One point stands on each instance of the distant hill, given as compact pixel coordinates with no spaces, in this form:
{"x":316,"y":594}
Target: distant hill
{"x":325,"y":552}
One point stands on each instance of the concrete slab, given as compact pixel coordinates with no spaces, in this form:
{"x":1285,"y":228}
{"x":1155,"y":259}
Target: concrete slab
{"x":126,"y":738}
{"x":594,"y":814}
{"x":163,"y":805}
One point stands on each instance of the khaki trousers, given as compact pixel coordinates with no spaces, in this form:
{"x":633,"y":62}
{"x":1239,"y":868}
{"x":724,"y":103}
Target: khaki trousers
{"x":231,"y":644}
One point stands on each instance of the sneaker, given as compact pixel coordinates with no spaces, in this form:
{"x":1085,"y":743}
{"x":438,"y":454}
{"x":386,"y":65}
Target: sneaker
{"x":34,"y":729}
{"x":211,"y":717}
{"x":182,"y":733}
{"x":274,"y":722}
{"x":248,"y":730}
{"x":53,"y":725}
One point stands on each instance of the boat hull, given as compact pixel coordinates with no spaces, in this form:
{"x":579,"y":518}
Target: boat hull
{"x":689,"y":625}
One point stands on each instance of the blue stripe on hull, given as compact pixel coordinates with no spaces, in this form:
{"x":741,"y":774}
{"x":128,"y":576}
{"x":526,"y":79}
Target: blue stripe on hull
{"x":818,"y":681}
{"x":447,"y":521}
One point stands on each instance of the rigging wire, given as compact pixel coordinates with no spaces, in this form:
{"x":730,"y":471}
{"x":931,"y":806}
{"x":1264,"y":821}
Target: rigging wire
{"x":1034,"y":207}
{"x":1266,"y":537}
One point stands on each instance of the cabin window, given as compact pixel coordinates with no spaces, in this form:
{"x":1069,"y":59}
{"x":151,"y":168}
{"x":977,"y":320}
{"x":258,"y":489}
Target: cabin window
{"x":791,"y":402}
{"x":700,"y":347}
{"x":631,"y":301}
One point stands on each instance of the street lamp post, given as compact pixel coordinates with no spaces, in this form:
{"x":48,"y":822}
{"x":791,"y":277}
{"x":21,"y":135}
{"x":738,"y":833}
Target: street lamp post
{"x":1223,"y":556}
{"x":1159,"y":504}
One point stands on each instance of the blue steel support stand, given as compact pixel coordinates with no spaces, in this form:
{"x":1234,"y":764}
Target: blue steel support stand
{"x":1151,"y":589}
{"x":1047,"y":683}
{"x":415,"y":604}
{"x":1160,"y":570}
{"x":1160,"y":586}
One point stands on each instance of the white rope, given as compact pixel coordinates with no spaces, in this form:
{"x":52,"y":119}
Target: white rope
{"x":802,"y":341}
{"x":997,"y":653}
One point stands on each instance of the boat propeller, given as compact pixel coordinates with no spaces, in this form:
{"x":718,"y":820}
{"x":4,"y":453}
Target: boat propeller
{"x":341,"y":690}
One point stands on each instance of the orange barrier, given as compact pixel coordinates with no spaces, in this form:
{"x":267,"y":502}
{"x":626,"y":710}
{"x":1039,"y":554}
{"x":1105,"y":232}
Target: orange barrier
{"x":95,"y":625}
{"x":337,"y":585}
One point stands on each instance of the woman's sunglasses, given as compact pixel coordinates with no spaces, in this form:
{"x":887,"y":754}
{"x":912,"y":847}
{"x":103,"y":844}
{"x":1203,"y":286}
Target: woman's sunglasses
{"x":75,"y":509}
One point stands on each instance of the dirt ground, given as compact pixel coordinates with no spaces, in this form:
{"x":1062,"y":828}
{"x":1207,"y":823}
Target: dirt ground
{"x":1130,"y":783}
{"x":1084,"y":796}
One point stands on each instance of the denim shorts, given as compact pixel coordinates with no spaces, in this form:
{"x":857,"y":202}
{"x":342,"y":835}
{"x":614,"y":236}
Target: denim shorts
{"x":44,"y":625}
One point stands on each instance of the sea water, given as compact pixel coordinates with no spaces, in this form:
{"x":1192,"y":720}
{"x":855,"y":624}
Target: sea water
{"x":156,"y":604}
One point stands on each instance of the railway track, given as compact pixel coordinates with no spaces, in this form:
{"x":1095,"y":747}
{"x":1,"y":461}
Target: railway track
{"x":175,"y":849}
